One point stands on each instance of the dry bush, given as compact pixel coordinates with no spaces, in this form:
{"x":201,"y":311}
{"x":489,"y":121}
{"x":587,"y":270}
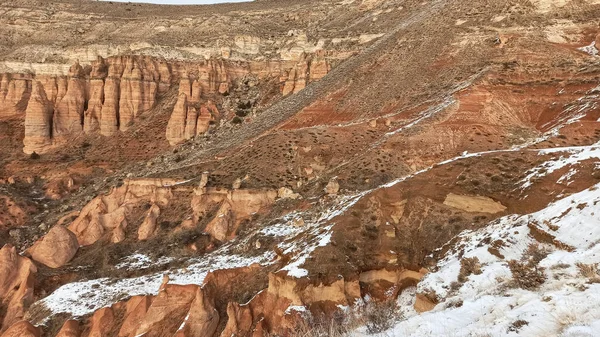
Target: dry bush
{"x":375,"y":316}
{"x":526,"y":273}
{"x":468,"y":266}
{"x":589,"y":271}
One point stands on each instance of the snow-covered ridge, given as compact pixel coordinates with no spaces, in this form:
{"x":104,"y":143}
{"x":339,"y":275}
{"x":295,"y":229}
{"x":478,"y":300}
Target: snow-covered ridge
{"x":492,"y":302}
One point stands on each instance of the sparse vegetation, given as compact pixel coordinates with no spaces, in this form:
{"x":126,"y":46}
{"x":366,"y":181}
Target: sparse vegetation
{"x":527,"y":274}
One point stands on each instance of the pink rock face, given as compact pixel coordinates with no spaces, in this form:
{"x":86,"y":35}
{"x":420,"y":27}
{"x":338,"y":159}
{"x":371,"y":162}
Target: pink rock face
{"x":22,"y":329}
{"x":234,"y":207}
{"x":187,"y":120}
{"x":138,"y":90}
{"x":16,"y":285}
{"x":69,"y":329}
{"x":38,"y":121}
{"x":105,"y":217}
{"x":56,"y":248}
{"x":148,"y":227}
{"x":68,"y":114}
{"x":176,"y":126}
{"x":14,"y":93}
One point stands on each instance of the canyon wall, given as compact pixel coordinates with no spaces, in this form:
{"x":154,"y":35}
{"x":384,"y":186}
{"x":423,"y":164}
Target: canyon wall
{"x":109,"y":94}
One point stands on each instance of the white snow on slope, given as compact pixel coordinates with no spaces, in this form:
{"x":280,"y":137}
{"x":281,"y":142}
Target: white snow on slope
{"x":571,"y":156}
{"x":590,"y":49}
{"x":566,"y":304}
{"x":81,"y":298}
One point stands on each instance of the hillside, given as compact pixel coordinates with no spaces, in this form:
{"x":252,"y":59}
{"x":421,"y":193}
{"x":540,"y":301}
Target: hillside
{"x":300,"y":168}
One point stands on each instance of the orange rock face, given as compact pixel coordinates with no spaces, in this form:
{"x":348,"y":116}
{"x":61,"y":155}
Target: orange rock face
{"x":16,"y":285}
{"x":235,"y":206}
{"x":69,"y":329}
{"x":56,"y":248}
{"x":68,"y":114}
{"x":14,"y":93}
{"x":38,"y":120}
{"x":148,"y":227}
{"x":105,"y":216}
{"x":190,"y":116}
{"x":22,"y":329}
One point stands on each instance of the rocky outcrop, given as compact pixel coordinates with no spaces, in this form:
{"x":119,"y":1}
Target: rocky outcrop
{"x":112,"y":93}
{"x":190,"y":116}
{"x":138,"y":90}
{"x":148,"y":227}
{"x":478,"y":204}
{"x":69,"y":329}
{"x":38,"y":121}
{"x":68,"y":114}
{"x":56,"y":248}
{"x":106,"y":216}
{"x":102,"y":322}
{"x":234,"y":206}
{"x":202,"y":318}
{"x":309,"y":68}
{"x":22,"y":329}
{"x":93,"y":114}
{"x":15,"y":90}
{"x":16,"y":285}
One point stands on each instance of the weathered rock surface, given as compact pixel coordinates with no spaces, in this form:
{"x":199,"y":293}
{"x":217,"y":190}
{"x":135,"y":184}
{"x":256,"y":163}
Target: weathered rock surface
{"x":56,"y":248}
{"x":17,"y":276}
{"x":69,"y":329}
{"x":474,"y":203}
{"x":191,"y":115}
{"x":106,"y":216}
{"x":22,"y":329}
{"x":38,"y":121}
{"x":15,"y":90}
{"x":68,"y":115}
{"x":234,"y":206}
{"x":148,"y":227}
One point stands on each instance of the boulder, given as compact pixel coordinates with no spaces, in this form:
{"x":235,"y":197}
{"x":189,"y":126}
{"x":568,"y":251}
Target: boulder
{"x":56,"y":248}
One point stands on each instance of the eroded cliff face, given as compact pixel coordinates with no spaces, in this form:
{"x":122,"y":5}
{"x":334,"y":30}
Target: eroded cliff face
{"x":110,"y":94}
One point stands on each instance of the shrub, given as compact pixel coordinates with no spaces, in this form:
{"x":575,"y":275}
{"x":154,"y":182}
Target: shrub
{"x":526,"y":273}
{"x":468,"y":266}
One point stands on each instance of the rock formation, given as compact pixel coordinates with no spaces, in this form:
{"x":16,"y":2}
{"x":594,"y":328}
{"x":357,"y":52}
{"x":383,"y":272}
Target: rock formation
{"x":190,"y":116}
{"x":56,"y":248}
{"x":69,"y":329}
{"x":38,"y":121}
{"x":138,"y":91}
{"x":22,"y":329}
{"x":16,"y":285}
{"x":234,"y":206}
{"x":15,"y":90}
{"x":148,"y":227}
{"x":68,"y":114}
{"x":106,"y":216}
{"x":93,"y":114}
{"x":307,"y":69}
